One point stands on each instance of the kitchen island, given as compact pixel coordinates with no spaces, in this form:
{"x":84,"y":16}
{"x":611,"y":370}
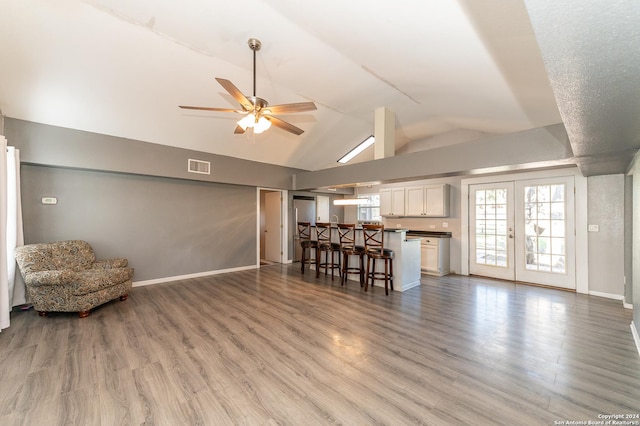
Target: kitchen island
{"x":406,"y":261}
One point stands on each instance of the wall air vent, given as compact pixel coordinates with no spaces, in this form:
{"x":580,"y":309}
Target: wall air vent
{"x":199,"y":166}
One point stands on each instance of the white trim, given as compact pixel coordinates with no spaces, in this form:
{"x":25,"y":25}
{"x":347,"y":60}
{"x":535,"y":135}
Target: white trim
{"x":627,"y":305}
{"x":580,"y":201}
{"x":188,"y":276}
{"x":607,"y":295}
{"x":636,"y":338}
{"x":464,"y":227}
{"x":284,"y":234}
{"x":582,"y":238}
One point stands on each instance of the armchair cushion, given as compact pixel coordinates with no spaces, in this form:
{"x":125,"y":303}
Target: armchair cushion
{"x":65,"y":276}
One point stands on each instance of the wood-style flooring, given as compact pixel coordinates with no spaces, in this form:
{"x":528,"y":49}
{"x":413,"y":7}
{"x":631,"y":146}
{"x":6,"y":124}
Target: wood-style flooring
{"x":270,"y":346}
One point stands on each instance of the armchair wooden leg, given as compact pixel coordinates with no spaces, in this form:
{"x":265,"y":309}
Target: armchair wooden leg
{"x":124,"y":297}
{"x":42,"y":313}
{"x":84,"y":314}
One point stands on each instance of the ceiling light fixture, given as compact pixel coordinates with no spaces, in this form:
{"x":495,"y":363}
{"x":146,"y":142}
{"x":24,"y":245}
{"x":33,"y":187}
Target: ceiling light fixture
{"x":350,"y":201}
{"x":259,"y":125}
{"x":259,"y":115}
{"x":357,"y":150}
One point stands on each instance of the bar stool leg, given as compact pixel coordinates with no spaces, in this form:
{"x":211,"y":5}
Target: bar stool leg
{"x":371,"y":271}
{"x":366,"y":275}
{"x":333,"y":253}
{"x":386,"y":277}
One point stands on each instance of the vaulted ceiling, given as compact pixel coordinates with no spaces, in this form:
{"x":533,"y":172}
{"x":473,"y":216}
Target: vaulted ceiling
{"x":452,"y":71}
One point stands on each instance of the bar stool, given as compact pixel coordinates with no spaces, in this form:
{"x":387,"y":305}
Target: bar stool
{"x":323,"y":233}
{"x":374,"y":247}
{"x":304,"y":233}
{"x":348,"y":248}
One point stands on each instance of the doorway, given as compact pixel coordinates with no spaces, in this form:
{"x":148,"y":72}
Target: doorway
{"x":523,"y":230}
{"x":270,"y":228}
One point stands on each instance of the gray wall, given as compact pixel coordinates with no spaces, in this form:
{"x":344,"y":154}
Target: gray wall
{"x":135,"y":199}
{"x":57,"y":146}
{"x":606,"y":247}
{"x":165,"y":227}
{"x":526,"y":150}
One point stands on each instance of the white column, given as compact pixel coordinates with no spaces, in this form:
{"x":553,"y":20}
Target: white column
{"x":385,"y":133}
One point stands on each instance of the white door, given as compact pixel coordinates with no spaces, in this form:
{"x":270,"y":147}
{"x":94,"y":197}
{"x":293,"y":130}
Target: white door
{"x":545,"y":247}
{"x":524,"y":231}
{"x":273,"y":227}
{"x":491,"y":226}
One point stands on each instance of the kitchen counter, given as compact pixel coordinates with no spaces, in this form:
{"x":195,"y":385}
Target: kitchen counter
{"x":434,"y":250}
{"x":432,"y":234}
{"x":406,"y":262}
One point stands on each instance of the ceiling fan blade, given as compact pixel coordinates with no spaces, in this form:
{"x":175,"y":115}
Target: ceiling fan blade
{"x":236,"y":93}
{"x":210,"y":109}
{"x":284,"y":125}
{"x":239,"y":130}
{"x":287,"y":108}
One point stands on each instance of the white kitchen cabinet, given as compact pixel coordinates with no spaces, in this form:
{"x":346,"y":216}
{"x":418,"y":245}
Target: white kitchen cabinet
{"x":392,"y":202}
{"x":414,"y":201}
{"x":427,"y":201}
{"x":434,"y":256}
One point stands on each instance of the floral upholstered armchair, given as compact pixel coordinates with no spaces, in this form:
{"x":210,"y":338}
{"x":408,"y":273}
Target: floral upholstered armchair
{"x":64,"y":276}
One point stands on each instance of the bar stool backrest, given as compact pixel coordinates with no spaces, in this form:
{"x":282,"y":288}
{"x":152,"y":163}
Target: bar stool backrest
{"x":347,"y":234}
{"x":323,"y":232}
{"x":304,"y":231}
{"x":373,"y":237}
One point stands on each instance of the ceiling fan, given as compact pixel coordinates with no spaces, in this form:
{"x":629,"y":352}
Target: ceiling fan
{"x":258,"y":114}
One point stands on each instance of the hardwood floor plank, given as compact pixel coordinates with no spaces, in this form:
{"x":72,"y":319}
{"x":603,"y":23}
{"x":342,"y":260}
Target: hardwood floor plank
{"x":272,"y":346}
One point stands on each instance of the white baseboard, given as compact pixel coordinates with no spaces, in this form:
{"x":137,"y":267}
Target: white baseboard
{"x":607,"y":295}
{"x":636,"y":338}
{"x":196,"y":275}
{"x":627,"y":305}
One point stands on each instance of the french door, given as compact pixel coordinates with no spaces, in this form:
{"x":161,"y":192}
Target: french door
{"x":523,"y":231}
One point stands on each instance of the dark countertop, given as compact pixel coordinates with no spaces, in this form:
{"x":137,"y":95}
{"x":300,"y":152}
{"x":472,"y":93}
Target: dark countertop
{"x":359,"y":228}
{"x":433,"y":234}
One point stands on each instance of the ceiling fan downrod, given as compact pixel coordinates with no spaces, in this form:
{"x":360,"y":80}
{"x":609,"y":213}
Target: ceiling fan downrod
{"x":255,"y":45}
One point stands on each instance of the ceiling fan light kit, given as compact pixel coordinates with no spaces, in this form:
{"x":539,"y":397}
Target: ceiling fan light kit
{"x":259,"y":116}
{"x":259,"y":124}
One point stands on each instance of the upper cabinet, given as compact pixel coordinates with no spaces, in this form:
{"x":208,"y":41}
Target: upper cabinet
{"x":392,"y":202}
{"x":427,"y":201}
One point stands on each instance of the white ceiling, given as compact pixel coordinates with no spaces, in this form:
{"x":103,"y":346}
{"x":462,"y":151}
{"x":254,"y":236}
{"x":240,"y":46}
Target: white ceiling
{"x":452,"y":71}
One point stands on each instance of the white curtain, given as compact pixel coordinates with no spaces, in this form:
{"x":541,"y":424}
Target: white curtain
{"x":12,"y":290}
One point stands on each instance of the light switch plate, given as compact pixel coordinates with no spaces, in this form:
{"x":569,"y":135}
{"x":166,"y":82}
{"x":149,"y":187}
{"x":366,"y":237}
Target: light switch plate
{"x":594,"y":228}
{"x":49,"y":200}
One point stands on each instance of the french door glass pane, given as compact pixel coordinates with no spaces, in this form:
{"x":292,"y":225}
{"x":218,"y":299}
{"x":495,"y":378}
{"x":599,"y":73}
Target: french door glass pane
{"x":491,"y":227}
{"x":545,"y":228}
